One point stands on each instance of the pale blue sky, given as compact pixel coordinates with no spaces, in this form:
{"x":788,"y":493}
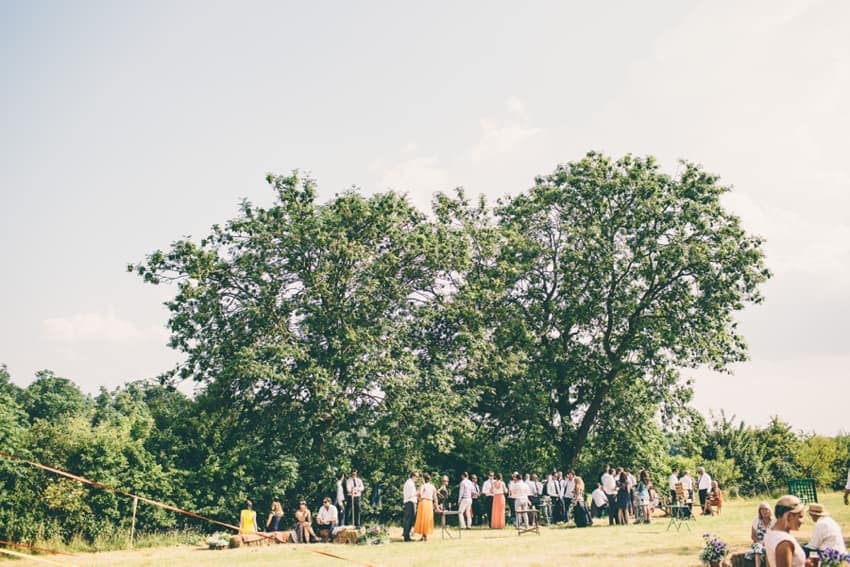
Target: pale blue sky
{"x":127,"y":125}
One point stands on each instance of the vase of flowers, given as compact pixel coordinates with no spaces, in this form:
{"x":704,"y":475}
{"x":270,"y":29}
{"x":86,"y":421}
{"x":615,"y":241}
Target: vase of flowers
{"x":374,"y":535}
{"x":715,"y":550}
{"x":833,"y":558}
{"x":218,"y":540}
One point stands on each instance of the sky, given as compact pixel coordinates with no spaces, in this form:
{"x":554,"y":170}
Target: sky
{"x":127,"y":125}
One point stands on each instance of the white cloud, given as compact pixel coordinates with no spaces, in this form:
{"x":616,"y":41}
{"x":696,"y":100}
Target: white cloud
{"x":98,"y":327}
{"x":500,"y":137}
{"x":796,"y":242}
{"x":418,"y":176}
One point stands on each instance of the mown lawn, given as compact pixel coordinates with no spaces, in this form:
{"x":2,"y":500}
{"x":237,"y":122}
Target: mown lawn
{"x":633,"y":545}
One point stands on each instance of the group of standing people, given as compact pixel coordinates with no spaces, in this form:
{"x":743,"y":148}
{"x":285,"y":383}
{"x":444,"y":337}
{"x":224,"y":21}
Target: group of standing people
{"x":624,"y":496}
{"x":491,"y":501}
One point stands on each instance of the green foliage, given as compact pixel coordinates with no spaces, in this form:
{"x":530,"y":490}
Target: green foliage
{"x":52,"y":398}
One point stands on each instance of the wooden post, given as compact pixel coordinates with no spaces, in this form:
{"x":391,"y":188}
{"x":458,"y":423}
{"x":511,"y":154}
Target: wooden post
{"x":133,"y":524}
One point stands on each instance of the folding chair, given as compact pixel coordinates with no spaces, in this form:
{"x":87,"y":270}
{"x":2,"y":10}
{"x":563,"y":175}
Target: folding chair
{"x":680,"y":510}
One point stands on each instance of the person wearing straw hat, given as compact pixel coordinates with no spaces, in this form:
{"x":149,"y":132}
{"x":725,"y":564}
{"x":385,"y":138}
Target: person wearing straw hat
{"x":782,"y":548}
{"x":847,"y":488}
{"x":827,"y":532}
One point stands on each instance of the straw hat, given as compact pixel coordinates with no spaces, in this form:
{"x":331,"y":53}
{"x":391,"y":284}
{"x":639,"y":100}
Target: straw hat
{"x":788,"y":503}
{"x":817,"y":510}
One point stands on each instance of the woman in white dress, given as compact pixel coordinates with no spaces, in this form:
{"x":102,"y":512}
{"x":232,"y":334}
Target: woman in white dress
{"x":781,"y":547}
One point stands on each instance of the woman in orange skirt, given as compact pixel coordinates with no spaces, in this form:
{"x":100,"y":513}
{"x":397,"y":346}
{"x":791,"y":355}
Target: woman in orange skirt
{"x":425,"y":512}
{"x":498,"y":512}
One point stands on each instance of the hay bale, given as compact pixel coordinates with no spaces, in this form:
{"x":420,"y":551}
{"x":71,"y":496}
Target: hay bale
{"x":235,"y":541}
{"x":347,"y":536}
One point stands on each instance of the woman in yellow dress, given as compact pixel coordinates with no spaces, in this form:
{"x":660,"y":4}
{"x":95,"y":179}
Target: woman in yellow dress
{"x":425,"y":512}
{"x":248,"y":519}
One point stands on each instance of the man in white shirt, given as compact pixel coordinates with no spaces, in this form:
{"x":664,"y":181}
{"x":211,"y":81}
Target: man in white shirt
{"x":409,"y":500}
{"x":535,"y":490}
{"x":464,"y":502}
{"x":688,"y":486}
{"x":477,"y":500}
{"x":598,"y":501}
{"x":518,"y":491}
{"x":609,"y":485}
{"x":827,"y":532}
{"x":327,"y":517}
{"x":487,"y":491}
{"x":355,"y":490}
{"x":704,"y":486}
{"x":569,"y":491}
{"x":672,"y":482}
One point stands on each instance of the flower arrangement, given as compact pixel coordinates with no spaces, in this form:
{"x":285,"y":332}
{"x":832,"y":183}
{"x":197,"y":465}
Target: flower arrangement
{"x":374,"y":535}
{"x":218,"y":540}
{"x":833,"y":558}
{"x":715,"y":549}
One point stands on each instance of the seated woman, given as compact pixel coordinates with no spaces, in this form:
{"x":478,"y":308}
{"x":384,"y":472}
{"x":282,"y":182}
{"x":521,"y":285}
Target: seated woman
{"x":304,"y":524}
{"x":273,"y":521}
{"x":762,"y":523}
{"x":714,"y":500}
{"x":248,"y":519}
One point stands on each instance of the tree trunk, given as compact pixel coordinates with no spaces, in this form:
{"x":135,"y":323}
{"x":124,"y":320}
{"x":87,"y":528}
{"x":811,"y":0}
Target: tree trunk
{"x":590,"y":417}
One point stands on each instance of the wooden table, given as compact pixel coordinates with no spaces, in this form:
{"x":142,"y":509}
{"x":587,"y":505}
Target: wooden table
{"x":532,"y":524}
{"x":446,"y":529}
{"x":679,"y":515}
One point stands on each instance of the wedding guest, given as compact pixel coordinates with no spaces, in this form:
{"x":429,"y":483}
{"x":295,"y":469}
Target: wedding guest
{"x":487,"y":492}
{"x":762,"y":523}
{"x":477,"y":499}
{"x":273,"y":521}
{"x":714,"y":499}
{"x":410,"y":500}
{"x":704,"y":487}
{"x":518,"y":490}
{"x":340,"y":496}
{"x":248,"y":519}
{"x":643,"y":488}
{"x":672,"y":481}
{"x":609,"y":485}
{"x":497,"y":514}
{"x":443,"y":494}
{"x":304,"y":524}
{"x":623,"y":498}
{"x":464,"y":501}
{"x":425,"y":512}
{"x":355,"y":491}
{"x":327,"y":517}
{"x":781,"y":547}
{"x":847,"y":488}
{"x":827,"y":533}
{"x":598,"y":501}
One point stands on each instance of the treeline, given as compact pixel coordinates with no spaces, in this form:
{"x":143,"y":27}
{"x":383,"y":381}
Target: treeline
{"x":154,"y":441}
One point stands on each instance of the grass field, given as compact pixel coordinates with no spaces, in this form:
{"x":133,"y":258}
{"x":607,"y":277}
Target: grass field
{"x":633,"y":545}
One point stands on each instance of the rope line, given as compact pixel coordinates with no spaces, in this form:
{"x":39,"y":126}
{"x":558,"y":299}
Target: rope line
{"x":117,"y":491}
{"x":34,"y":548}
{"x":143,"y":499}
{"x":30,"y":557}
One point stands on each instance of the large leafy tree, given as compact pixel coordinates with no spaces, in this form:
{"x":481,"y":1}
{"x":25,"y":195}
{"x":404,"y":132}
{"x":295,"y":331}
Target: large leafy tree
{"x":300,"y":320}
{"x":607,"y":278}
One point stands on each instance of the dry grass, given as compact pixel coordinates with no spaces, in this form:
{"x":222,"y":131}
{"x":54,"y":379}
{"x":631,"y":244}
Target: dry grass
{"x":637,"y":546}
